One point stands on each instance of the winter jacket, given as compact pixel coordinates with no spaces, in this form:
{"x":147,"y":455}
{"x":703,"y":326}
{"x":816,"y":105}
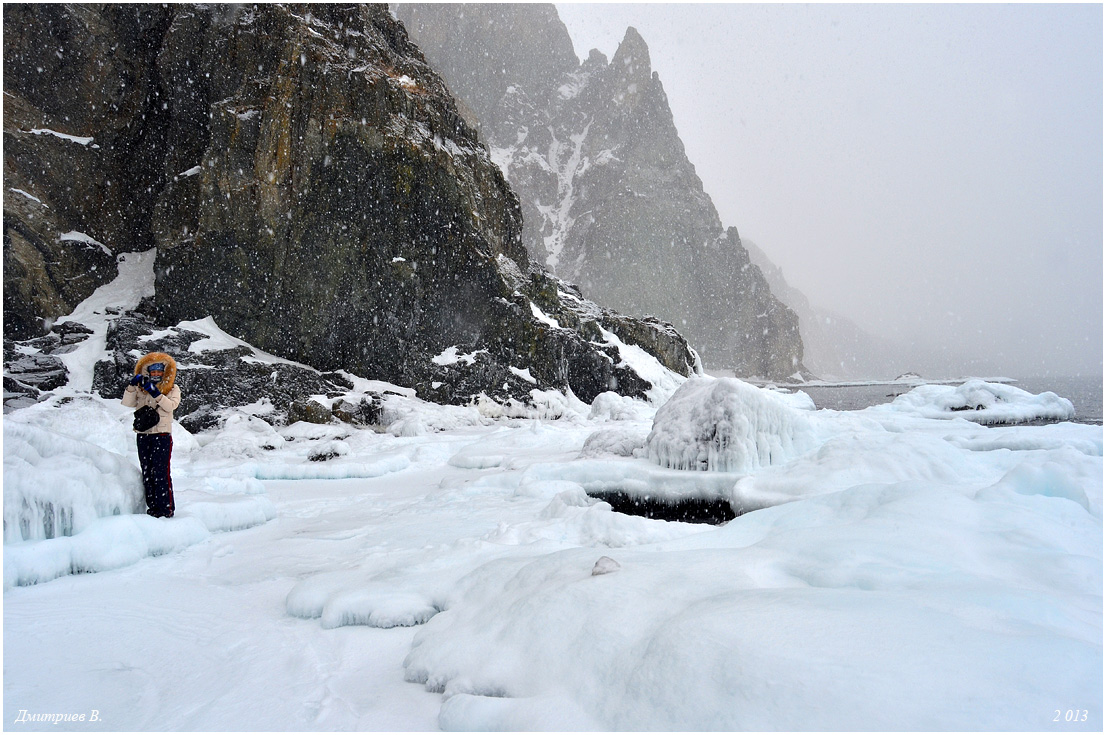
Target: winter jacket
{"x":135,"y":397}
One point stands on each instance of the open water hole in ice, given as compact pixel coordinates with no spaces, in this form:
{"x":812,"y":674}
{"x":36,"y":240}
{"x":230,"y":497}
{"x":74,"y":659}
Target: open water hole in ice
{"x":715,"y":511}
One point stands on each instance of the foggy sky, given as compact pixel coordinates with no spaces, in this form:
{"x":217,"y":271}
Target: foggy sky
{"x":932,"y":172}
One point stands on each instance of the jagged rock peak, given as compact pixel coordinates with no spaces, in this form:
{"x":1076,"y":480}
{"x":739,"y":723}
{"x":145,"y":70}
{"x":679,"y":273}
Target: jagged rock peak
{"x":610,"y":200}
{"x":595,"y":59}
{"x":632,"y":57}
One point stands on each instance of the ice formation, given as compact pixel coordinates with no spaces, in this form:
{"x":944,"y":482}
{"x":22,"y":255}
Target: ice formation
{"x":726,"y":425}
{"x":611,"y":406}
{"x":56,"y":485}
{"x":983,"y":402}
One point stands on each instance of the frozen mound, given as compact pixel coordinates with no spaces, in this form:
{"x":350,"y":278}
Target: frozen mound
{"x":224,"y":503}
{"x":619,"y":442}
{"x":107,"y":543}
{"x":543,"y":404}
{"x":726,"y":425}
{"x":223,"y":513}
{"x":364,"y":597}
{"x":57,"y":485}
{"x":83,"y":417}
{"x":376,"y":593}
{"x":611,"y":406}
{"x":406,"y":416}
{"x":983,"y":402}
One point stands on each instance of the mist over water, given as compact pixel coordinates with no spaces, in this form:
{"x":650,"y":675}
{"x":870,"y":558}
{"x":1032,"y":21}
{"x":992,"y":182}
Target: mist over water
{"x":931,"y":172}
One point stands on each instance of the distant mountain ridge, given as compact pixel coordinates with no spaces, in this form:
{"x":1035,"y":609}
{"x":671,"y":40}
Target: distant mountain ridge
{"x":609,"y":199}
{"x":836,"y":348}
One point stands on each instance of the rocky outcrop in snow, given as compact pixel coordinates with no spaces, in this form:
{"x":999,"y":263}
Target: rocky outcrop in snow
{"x":308,"y":182}
{"x":982,"y":402}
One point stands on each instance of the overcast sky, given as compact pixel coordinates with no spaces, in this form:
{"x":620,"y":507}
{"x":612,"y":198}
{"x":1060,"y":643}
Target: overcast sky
{"x":932,"y":172}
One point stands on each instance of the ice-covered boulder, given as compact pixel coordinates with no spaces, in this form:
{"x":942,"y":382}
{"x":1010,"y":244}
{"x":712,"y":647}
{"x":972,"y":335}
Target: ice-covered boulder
{"x":726,"y":425}
{"x":56,"y":485}
{"x":983,"y":402}
{"x":622,"y":442}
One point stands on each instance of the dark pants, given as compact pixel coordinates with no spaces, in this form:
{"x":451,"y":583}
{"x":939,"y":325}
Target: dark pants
{"x":154,"y":451}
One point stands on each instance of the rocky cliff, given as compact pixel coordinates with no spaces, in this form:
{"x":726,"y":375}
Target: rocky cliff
{"x":609,"y":198}
{"x":307,"y":181}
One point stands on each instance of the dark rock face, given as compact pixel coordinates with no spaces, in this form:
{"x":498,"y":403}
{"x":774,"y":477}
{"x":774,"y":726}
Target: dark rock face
{"x":349,"y":216}
{"x":530,"y":50}
{"x":365,"y":412}
{"x":609,"y":199}
{"x":312,"y":412}
{"x":77,"y":149}
{"x":307,"y":180}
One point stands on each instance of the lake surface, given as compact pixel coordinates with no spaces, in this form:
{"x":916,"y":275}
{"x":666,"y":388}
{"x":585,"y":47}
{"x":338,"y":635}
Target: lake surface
{"x":1085,"y":393}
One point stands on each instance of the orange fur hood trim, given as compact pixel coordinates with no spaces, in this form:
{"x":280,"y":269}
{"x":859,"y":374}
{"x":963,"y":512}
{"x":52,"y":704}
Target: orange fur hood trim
{"x":170,"y":376}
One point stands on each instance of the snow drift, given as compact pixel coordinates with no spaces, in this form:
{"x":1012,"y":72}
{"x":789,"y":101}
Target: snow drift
{"x":928,"y":600}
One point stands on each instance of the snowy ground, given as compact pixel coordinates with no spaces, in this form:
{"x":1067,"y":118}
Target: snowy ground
{"x":901,"y":572}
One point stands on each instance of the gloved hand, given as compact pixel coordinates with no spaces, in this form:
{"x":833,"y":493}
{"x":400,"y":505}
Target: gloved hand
{"x":151,"y":389}
{"x":137,"y":379}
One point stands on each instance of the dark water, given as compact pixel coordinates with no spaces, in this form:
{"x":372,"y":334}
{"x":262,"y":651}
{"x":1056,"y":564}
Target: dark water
{"x":716,"y":511}
{"x":1084,"y":393}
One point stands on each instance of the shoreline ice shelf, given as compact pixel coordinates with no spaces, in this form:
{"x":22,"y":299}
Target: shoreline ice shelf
{"x":440,"y":571}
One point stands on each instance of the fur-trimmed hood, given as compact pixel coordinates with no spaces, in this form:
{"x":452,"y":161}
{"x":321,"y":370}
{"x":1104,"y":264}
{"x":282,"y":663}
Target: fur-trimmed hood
{"x":170,"y":376}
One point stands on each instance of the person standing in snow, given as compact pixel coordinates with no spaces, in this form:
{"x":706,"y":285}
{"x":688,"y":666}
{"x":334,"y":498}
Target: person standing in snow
{"x":153,"y":385}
